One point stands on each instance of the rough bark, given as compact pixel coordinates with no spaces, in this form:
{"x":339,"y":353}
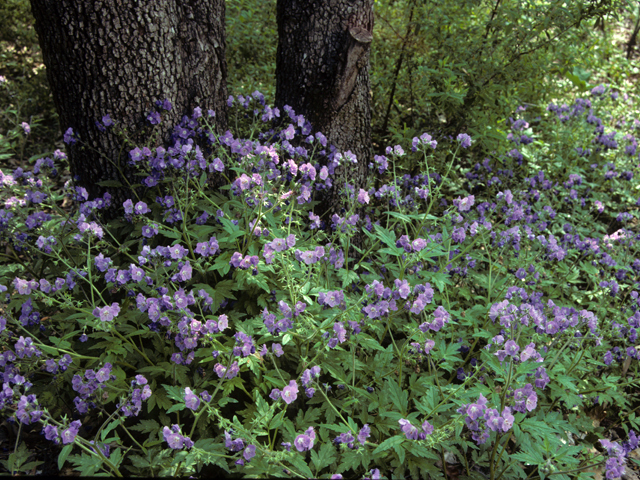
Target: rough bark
{"x":322,"y":72}
{"x":118,"y":57}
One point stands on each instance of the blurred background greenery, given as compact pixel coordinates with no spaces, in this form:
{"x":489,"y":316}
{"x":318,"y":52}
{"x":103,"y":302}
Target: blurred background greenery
{"x":437,"y":66}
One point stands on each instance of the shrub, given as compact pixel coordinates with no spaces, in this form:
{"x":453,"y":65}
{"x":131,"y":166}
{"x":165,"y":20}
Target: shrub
{"x":24,"y":92}
{"x":451,"y":66}
{"x":478,"y":330}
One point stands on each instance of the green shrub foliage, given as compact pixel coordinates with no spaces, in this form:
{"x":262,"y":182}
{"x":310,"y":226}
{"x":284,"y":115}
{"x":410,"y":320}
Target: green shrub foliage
{"x":465,"y":65}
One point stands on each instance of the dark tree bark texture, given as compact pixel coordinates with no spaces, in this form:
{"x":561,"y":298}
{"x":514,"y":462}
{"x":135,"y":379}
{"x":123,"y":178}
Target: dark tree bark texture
{"x":118,"y":57}
{"x":322,"y":72}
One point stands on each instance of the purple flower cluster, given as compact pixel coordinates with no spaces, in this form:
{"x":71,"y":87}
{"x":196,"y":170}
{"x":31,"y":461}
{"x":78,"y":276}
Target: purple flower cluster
{"x":546,"y":318}
{"x":344,"y":224}
{"x":525,"y":399}
{"x":107,"y":313}
{"x":290,"y":392}
{"x":132,"y":406}
{"x":382,"y":300}
{"x":207,"y":249}
{"x":87,"y":389}
{"x":225,"y":372}
{"x":237,"y":445}
{"x":480,"y":419}
{"x":412,"y":432}
{"x":441,"y":318}
{"x":24,"y":347}
{"x":348,"y":439}
{"x":424,"y":140}
{"x":340,"y":333}
{"x":277,"y":326}
{"x":309,"y":257}
{"x":27,"y":410}
{"x":192,"y":332}
{"x":307,"y":377}
{"x":244,"y":345}
{"x":276,"y":350}
{"x":67,"y":436}
{"x":50,"y":432}
{"x":521,"y":315}
{"x":304,"y":442}
{"x":617,"y":455}
{"x":191,"y":400}
{"x":423,"y":295}
{"x":416,"y":246}
{"x":63,"y":363}
{"x":464,"y":139}
{"x":332,"y":299}
{"x":512,"y":349}
{"x":277,"y":245}
{"x":175,"y":439}
{"x":244,"y":263}
{"x":464,"y":204}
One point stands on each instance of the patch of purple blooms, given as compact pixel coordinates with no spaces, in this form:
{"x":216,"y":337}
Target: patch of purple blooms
{"x":175,"y":439}
{"x":482,"y":420}
{"x":412,"y":432}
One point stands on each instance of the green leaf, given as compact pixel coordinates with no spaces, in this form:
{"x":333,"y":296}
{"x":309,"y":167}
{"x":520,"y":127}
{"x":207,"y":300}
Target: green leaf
{"x":223,"y":289}
{"x":399,"y":397}
{"x":86,"y":464}
{"x":170,"y":233}
{"x":222,"y":264}
{"x":62,"y":456}
{"x":60,"y":343}
{"x":178,"y":407}
{"x":307,"y":418}
{"x":325,"y":457}
{"x":298,"y":462}
{"x":145,"y":426}
{"x":441,"y":280}
{"x":225,"y":400}
{"x":389,"y":443}
{"x":228,"y":226}
{"x":109,"y":427}
{"x":386,"y":236}
{"x":422,"y":451}
{"x":394,"y":252}
{"x":367,"y":342}
{"x":138,"y":461}
{"x":116,"y":457}
{"x":530,"y":457}
{"x":160,"y":398}
{"x":174,"y":393}
{"x":401,"y":216}
{"x":347,"y":277}
{"x":349,"y":462}
{"x":567,"y":382}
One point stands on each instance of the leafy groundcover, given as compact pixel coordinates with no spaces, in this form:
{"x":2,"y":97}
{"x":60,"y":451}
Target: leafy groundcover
{"x":475,"y":319}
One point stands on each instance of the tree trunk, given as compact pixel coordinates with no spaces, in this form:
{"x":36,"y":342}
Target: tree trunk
{"x":118,"y":57}
{"x":322,"y":72}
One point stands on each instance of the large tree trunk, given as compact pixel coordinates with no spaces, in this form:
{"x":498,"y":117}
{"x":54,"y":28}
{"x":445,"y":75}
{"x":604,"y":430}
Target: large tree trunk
{"x":119,"y":57}
{"x":322,"y":72}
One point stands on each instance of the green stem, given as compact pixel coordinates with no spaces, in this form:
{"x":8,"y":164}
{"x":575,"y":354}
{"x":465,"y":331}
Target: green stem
{"x":104,"y":424}
{"x":465,"y":381}
{"x":580,"y":469}
{"x":335,"y":409}
{"x":504,"y":446}
{"x":135,"y":347}
{"x":73,"y":354}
